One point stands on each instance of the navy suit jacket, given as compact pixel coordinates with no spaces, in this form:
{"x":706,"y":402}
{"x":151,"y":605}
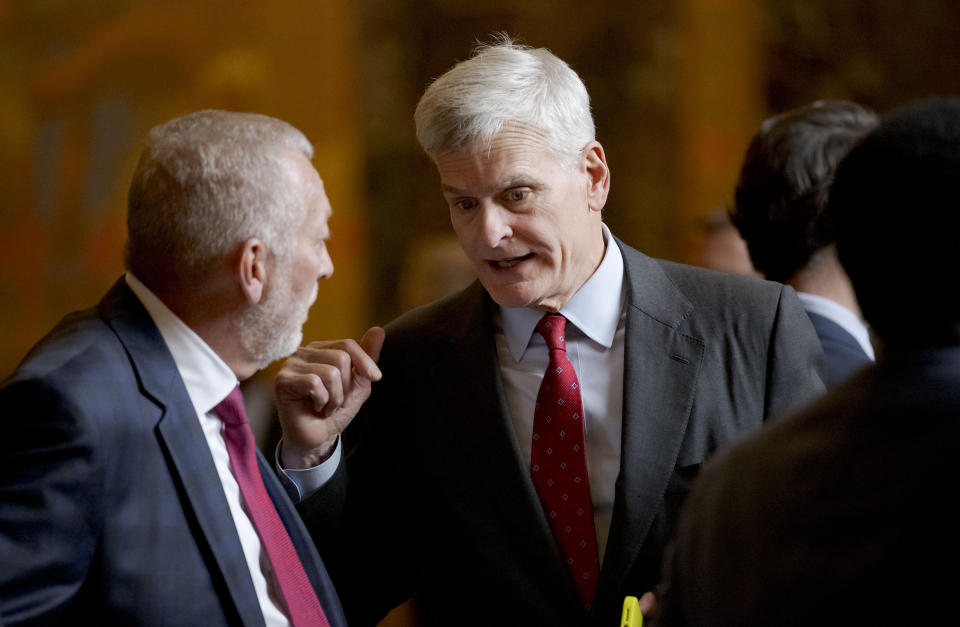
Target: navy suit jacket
{"x":434,"y":498}
{"x":842,"y":352}
{"x":111,"y":510}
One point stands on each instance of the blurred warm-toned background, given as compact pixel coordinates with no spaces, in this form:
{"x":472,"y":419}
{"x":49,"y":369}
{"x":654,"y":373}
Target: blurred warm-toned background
{"x":678,"y":87}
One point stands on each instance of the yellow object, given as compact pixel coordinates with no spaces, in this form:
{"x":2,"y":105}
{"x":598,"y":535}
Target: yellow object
{"x":631,"y":617}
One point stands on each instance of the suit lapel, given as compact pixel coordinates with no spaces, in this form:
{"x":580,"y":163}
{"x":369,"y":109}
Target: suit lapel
{"x":661,"y":365}
{"x":183,"y":441}
{"x":490,"y":457}
{"x":659,"y":379}
{"x":306,"y":550}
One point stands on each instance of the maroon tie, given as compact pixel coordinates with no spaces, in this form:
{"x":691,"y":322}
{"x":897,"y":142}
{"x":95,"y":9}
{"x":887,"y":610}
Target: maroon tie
{"x":558,"y":461}
{"x":303,"y":608}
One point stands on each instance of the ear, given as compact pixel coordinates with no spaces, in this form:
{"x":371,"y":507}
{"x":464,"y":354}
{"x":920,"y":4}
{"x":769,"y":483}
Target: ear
{"x":251,"y":269}
{"x":595,"y":166}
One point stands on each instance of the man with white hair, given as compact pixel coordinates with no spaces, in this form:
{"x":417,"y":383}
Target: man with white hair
{"x":526,"y":452}
{"x":131,"y":491}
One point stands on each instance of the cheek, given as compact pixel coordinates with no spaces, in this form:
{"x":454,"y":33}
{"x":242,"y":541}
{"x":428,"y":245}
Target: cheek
{"x":464,"y":236}
{"x":305,"y":273}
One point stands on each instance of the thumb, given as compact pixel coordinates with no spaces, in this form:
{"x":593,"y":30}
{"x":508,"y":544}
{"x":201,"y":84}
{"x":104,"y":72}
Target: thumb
{"x":648,"y":604}
{"x":372,"y":341}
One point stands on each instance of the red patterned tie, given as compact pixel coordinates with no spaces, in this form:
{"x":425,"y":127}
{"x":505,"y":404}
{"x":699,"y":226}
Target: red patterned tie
{"x":558,"y":461}
{"x":303,"y":608}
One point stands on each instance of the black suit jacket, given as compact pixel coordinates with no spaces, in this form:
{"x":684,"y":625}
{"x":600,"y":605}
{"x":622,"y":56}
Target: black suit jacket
{"x":435,"y":500}
{"x":111,"y":509}
{"x":840,"y":515}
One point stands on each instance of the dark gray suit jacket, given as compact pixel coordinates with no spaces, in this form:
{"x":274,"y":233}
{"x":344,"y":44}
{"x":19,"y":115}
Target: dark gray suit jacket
{"x":841,"y":515}
{"x":434,"y":499}
{"x":111,"y":510}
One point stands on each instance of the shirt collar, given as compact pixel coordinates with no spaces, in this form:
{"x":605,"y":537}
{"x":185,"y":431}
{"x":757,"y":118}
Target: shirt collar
{"x":595,"y":309}
{"x":841,"y":315}
{"x":208,"y":378}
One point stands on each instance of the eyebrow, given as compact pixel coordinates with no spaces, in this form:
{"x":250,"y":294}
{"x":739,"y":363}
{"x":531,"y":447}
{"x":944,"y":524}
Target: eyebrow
{"x":518,"y":181}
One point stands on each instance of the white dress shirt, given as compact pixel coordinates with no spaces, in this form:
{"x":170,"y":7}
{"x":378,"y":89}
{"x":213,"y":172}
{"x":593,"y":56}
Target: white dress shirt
{"x":208,"y":381}
{"x":841,"y":315}
{"x":595,"y":343}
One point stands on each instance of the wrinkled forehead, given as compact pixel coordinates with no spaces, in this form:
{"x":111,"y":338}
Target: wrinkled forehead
{"x":513,"y":132}
{"x":514,"y":138}
{"x":514,"y":148}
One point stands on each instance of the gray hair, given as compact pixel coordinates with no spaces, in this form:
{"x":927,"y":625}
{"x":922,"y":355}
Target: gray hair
{"x":502,"y":84}
{"x":207,"y":182}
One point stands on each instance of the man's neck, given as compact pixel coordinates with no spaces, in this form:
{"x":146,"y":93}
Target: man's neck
{"x":209,"y":311}
{"x":824,"y":276}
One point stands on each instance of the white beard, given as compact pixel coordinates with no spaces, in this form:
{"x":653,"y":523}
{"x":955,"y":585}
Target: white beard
{"x":273,"y":329}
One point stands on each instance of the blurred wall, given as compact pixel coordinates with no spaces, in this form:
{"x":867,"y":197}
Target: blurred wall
{"x":678,"y":87}
{"x":81,"y":81}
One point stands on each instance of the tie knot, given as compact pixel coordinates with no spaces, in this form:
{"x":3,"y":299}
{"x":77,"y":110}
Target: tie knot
{"x":551,"y":327}
{"x":231,"y":409}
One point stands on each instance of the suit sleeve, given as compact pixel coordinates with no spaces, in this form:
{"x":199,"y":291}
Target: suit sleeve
{"x":50,"y":496}
{"x":693,"y":566}
{"x":362,"y":519}
{"x":795,"y":364}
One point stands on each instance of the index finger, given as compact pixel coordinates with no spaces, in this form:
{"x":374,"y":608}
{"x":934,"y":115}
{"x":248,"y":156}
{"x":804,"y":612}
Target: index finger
{"x":356,"y":359}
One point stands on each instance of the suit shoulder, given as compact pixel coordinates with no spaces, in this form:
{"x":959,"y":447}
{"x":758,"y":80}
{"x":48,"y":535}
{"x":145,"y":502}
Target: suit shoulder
{"x":68,"y":386}
{"x":443,"y":318}
{"x":703,"y":284}
{"x":80,"y":340}
{"x":721,"y":302}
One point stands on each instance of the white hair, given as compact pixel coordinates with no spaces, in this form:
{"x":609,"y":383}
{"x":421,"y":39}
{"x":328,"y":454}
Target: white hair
{"x":207,"y":182}
{"x":502,"y":84}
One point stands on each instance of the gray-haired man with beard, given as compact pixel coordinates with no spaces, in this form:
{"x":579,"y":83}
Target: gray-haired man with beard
{"x":130,"y":488}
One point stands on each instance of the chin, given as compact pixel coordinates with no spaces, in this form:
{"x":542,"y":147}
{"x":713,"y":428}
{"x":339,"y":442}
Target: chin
{"x":279,"y":348}
{"x":506,"y":297}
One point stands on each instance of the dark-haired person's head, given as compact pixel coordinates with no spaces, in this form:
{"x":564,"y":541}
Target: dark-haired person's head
{"x":896,"y":209}
{"x":781,"y":195}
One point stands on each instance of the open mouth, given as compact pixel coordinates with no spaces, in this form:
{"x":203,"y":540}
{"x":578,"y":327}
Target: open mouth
{"x":506,"y":264}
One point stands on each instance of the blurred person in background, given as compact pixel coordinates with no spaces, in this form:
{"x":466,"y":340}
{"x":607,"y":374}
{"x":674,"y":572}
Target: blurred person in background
{"x":839,"y":515}
{"x":780,"y":210}
{"x":721,"y":247}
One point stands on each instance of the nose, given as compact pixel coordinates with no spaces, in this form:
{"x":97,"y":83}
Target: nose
{"x":326,"y":265}
{"x":494,"y":224}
